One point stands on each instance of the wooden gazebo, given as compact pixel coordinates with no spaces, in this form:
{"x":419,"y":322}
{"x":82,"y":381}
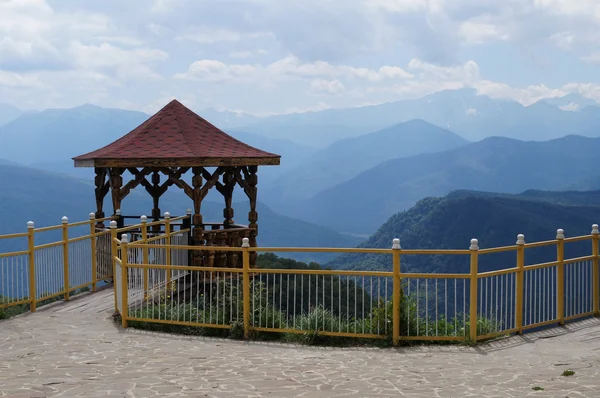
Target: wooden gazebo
{"x":170,"y":143}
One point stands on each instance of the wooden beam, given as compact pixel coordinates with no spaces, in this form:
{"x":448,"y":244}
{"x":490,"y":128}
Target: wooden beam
{"x":138,"y":175}
{"x":179,"y":162}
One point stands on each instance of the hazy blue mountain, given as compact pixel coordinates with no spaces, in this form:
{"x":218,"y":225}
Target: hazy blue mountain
{"x":494,"y":219}
{"x":585,"y":184}
{"x":362,"y":203}
{"x":571,"y":102}
{"x":293,"y":155}
{"x":349,"y":157}
{"x":306,"y":133}
{"x":45,"y":197}
{"x":56,"y":135}
{"x":227,"y":119}
{"x":49,"y":139}
{"x":8,"y":113}
{"x":463,"y":111}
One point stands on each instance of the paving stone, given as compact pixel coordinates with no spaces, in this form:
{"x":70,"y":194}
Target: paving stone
{"x":63,"y":353}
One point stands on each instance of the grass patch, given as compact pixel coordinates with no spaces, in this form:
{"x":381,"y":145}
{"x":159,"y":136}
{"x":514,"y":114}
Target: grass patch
{"x":568,"y":373}
{"x":310,"y":322}
{"x":538,"y":388}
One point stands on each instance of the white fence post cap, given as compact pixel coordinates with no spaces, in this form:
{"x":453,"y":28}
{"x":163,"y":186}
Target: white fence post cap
{"x":118,"y":212}
{"x":92,"y":216}
{"x":124,"y":238}
{"x":113,"y":224}
{"x":595,"y":230}
{"x":520,"y":239}
{"x":143,"y":219}
{"x":65,"y":220}
{"x":188,"y":212}
{"x":396,"y":244}
{"x":167,"y":215}
{"x":560,"y":234}
{"x":474,"y":244}
{"x":30,"y":224}
{"x":245,"y":242}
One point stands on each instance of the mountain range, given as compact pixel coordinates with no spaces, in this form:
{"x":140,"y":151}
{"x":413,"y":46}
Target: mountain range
{"x":494,"y":219}
{"x":349,"y":157}
{"x":465,"y":112}
{"x":496,"y":164}
{"x":44,"y":197}
{"x":391,"y":156}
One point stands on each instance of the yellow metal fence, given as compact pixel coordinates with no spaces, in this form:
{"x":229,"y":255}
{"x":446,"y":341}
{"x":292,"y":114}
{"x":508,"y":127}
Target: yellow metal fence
{"x":390,"y":304}
{"x":75,"y":257}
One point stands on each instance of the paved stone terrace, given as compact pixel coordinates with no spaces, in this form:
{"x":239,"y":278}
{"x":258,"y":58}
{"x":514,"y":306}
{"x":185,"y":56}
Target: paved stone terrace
{"x":59,"y":352}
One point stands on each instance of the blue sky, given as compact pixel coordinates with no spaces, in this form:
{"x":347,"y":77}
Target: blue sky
{"x":275,"y":56}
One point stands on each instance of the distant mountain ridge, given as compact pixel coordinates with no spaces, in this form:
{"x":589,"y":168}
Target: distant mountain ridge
{"x":495,"y":220}
{"x":349,"y":157}
{"x":463,"y":111}
{"x":496,"y":164}
{"x":45,"y":197}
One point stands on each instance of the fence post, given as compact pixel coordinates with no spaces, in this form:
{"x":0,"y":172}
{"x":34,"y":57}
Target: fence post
{"x":473,"y":294}
{"x":31,"y":259}
{"x":168,"y":243}
{"x":560,"y":280}
{"x":187,"y":224}
{"x":124,"y":281}
{"x":519,"y":287}
{"x":246,"y":281}
{"x":94,"y":249}
{"x":120,"y":219}
{"x":65,"y":242}
{"x":397,"y":292}
{"x":595,"y":240}
{"x":144,"y":229}
{"x":114,"y":254}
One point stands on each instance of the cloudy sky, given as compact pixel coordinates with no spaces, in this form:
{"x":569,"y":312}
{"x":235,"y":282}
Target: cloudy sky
{"x":277,"y":56}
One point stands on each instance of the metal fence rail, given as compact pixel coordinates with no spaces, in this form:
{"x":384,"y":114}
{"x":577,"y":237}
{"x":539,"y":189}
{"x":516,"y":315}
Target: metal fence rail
{"x":391,"y":305}
{"x":64,"y":259}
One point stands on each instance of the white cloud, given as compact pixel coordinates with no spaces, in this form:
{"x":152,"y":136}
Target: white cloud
{"x":286,"y":68}
{"x":592,"y":58}
{"x":273,"y":56}
{"x":211,"y":35}
{"x":321,"y":86}
{"x":129,"y":64}
{"x":248,"y":54}
{"x":480,"y":32}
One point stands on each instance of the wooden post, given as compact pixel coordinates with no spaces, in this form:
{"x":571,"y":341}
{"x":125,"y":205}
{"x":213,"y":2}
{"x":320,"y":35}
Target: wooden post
{"x":94,"y":251}
{"x":397,"y":292}
{"x":252,"y":181}
{"x":473,"y":291}
{"x":144,"y":229}
{"x":65,"y":244}
{"x":102,"y":188}
{"x":246,"y":286}
{"x":168,"y":243}
{"x":520,"y":279}
{"x":197,"y":221}
{"x":560,"y":279}
{"x":31,"y":256}
{"x":596,"y":272}
{"x":116,"y":182}
{"x":114,"y":254}
{"x":124,"y":281}
{"x":187,"y":224}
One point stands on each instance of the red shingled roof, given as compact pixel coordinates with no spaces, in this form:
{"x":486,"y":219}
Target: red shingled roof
{"x":176,"y":136}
